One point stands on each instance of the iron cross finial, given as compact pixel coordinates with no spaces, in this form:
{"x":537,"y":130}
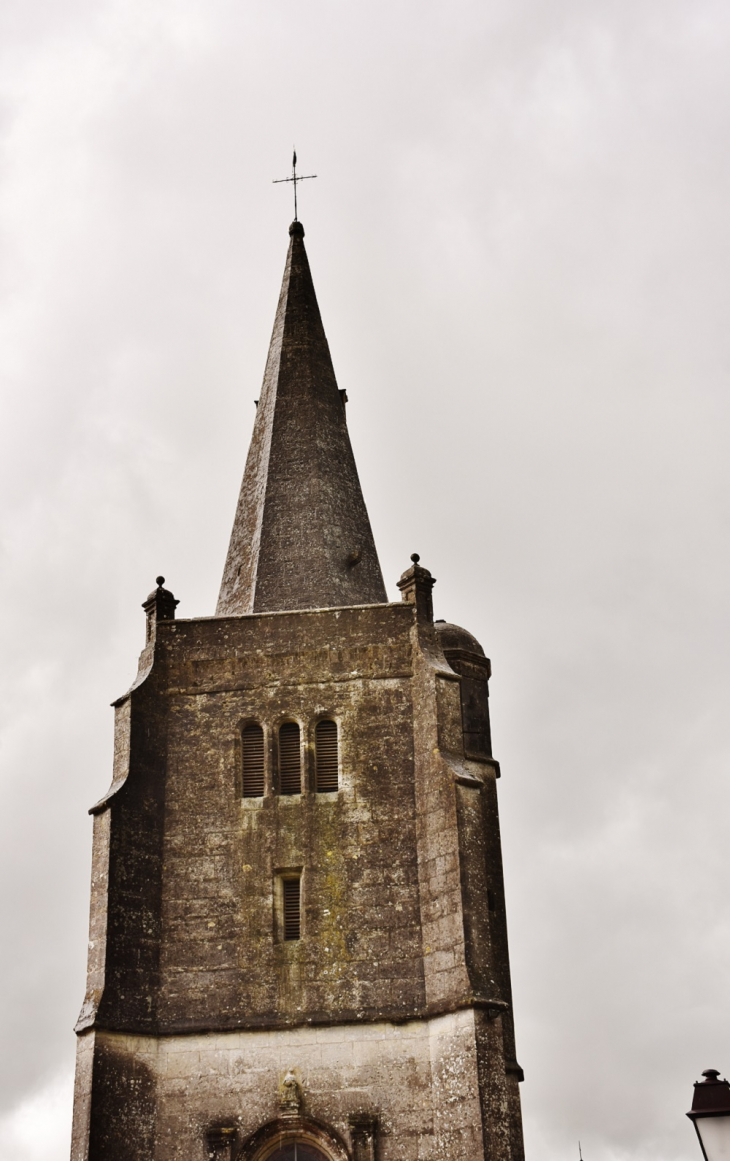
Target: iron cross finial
{"x":294,"y":178}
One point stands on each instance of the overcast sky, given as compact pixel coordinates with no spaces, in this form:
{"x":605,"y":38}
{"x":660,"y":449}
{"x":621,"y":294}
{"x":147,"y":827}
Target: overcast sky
{"x":519,"y":238}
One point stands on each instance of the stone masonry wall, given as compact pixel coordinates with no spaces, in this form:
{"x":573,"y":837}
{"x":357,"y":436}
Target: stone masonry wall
{"x":402,"y":900}
{"x":222,"y":962}
{"x":420,"y":1076}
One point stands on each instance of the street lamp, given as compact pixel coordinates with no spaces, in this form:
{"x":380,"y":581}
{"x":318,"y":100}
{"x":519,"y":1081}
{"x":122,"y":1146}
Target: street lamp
{"x":711,"y":1115}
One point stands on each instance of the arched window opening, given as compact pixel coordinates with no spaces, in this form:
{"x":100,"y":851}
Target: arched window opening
{"x":297,"y":1152}
{"x":290,"y":759}
{"x":301,"y":1143}
{"x":327,"y":756}
{"x":252,"y":738}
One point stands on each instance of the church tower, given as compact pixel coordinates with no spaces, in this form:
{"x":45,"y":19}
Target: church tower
{"x":298,"y":945}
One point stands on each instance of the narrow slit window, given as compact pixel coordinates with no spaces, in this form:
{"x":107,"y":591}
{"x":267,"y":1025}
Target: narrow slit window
{"x":290,"y":759}
{"x":292,"y":900}
{"x":327,"y":756}
{"x":252,"y":738}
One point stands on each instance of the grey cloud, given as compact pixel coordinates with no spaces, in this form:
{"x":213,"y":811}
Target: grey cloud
{"x":519,"y":240}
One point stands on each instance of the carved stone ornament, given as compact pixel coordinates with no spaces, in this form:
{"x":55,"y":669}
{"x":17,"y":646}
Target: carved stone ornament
{"x":290,"y":1099}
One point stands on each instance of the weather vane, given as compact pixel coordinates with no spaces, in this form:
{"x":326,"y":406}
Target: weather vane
{"x":294,"y":178}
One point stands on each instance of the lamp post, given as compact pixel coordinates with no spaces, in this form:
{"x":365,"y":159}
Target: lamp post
{"x":710,"y":1115}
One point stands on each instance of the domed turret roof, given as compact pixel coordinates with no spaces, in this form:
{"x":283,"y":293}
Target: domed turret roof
{"x":454,"y":637}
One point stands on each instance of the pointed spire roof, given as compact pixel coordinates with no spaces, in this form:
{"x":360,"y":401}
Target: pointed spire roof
{"x":301,"y":537}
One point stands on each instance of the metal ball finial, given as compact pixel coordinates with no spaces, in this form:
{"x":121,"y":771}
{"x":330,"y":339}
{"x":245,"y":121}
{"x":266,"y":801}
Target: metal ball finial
{"x":159,"y":581}
{"x":415,"y":557}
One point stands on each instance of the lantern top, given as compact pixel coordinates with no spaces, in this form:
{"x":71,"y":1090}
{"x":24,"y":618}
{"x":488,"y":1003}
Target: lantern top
{"x":711,"y":1096}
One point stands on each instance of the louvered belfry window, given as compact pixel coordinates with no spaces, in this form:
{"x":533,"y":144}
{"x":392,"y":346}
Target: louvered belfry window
{"x":252,"y":738}
{"x":290,"y":759}
{"x":292,"y":900}
{"x":327,"y":757}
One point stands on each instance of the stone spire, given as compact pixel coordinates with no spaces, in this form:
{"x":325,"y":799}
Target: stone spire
{"x":301,"y":536}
